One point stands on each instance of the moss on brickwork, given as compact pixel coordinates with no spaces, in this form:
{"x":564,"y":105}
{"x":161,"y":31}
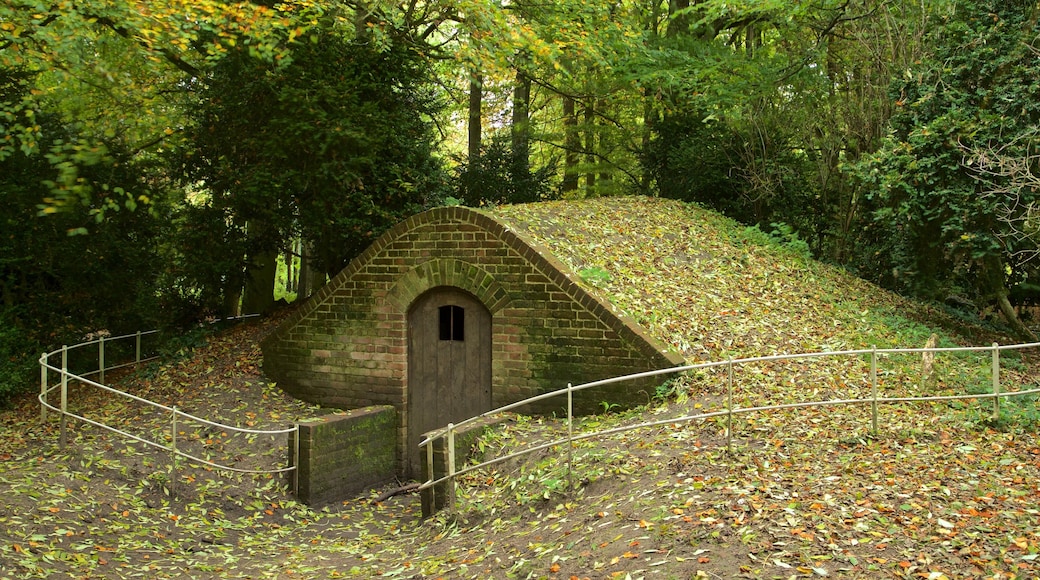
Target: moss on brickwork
{"x":347,"y":346}
{"x":343,"y":454}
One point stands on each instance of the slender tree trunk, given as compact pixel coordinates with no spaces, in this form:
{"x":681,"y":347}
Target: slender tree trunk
{"x":290,"y":271}
{"x":310,"y":279}
{"x":362,"y":16}
{"x":679,"y":22}
{"x":605,"y":150}
{"x":520,"y":130}
{"x":571,"y":144}
{"x":476,"y":97}
{"x":648,"y":134}
{"x":232,"y":300}
{"x":258,"y":297}
{"x":590,"y":148}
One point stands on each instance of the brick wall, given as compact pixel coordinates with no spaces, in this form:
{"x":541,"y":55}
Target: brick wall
{"x":343,"y":454}
{"x":346,"y":347}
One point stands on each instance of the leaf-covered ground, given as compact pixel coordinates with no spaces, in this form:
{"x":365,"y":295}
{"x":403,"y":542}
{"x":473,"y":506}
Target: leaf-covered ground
{"x":940,"y":491}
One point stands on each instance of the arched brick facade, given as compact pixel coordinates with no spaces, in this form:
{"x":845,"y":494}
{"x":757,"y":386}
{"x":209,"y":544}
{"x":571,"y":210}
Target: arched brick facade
{"x":347,"y":346}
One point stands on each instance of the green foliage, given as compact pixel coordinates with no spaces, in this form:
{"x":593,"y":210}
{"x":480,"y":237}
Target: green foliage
{"x":1018,"y":414}
{"x":336,"y":144}
{"x":119,"y":74}
{"x":688,"y":160}
{"x":940,"y":224}
{"x":499,"y":176}
{"x":781,"y":236}
{"x":19,"y":352}
{"x":203,"y":257}
{"x":787,"y":237}
{"x":64,"y":274}
{"x":695,"y":157}
{"x":594,"y":275}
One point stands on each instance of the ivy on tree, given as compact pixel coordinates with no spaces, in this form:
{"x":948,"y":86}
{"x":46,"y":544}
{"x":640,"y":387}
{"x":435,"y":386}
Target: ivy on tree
{"x":947,"y":227}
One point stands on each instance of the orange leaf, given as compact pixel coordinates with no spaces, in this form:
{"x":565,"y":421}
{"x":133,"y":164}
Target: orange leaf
{"x":703,"y":560}
{"x":554,"y":568}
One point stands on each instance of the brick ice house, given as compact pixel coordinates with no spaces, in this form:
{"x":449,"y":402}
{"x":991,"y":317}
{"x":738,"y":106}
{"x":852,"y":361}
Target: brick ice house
{"x":452,"y":313}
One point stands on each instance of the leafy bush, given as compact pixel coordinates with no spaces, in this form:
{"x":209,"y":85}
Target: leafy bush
{"x":781,"y":236}
{"x":710,"y":162}
{"x":18,"y":356}
{"x":1017,"y":414}
{"x":499,"y":176}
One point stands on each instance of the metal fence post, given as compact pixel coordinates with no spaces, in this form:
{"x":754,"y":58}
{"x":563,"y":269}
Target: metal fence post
{"x":430,"y":471}
{"x":63,"y":437}
{"x":570,"y":436}
{"x":44,"y":375}
{"x":173,"y":448}
{"x":873,"y":389}
{"x":451,"y":468}
{"x":996,"y":381}
{"x":729,"y":408}
{"x":101,"y":360}
{"x":296,"y":461}
{"x":137,"y":357}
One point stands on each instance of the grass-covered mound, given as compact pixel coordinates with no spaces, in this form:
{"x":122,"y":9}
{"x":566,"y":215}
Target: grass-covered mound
{"x":940,"y":491}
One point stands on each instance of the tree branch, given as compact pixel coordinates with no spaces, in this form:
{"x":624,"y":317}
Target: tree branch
{"x":166,"y":53}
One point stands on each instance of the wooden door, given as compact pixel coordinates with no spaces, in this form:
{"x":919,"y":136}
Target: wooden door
{"x":449,"y":364}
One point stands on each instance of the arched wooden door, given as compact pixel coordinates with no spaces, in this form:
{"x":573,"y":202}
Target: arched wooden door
{"x":449,"y":364}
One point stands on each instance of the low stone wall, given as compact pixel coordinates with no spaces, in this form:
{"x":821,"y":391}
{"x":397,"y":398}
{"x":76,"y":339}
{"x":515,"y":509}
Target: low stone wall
{"x":439,"y":496}
{"x":342,"y":454}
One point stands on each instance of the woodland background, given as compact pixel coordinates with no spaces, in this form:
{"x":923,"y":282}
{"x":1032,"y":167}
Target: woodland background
{"x":166,"y":160}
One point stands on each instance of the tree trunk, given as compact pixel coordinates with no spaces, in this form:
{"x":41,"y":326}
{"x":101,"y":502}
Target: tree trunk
{"x":362,"y":18}
{"x":290,"y":270}
{"x":232,"y":300}
{"x":679,"y":21}
{"x":1012,"y":318}
{"x":605,"y":149}
{"x":258,"y":297}
{"x":520,"y":130}
{"x":571,"y":144}
{"x":992,"y":278}
{"x":310,"y":279}
{"x":476,"y":96}
{"x":590,"y":148}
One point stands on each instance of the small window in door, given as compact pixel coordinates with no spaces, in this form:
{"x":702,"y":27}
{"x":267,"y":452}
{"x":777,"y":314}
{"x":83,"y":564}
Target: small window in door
{"x":453,"y":323}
